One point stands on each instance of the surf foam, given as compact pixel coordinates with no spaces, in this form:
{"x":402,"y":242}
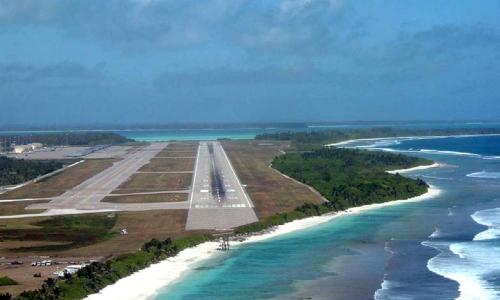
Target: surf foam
{"x":485,"y":174}
{"x":470,"y":263}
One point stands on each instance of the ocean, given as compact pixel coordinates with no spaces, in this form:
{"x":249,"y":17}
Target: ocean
{"x":152,"y":135}
{"x":446,"y":247}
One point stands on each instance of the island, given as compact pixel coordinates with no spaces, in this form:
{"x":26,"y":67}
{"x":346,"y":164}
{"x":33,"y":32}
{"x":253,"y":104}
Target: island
{"x":287,"y":179}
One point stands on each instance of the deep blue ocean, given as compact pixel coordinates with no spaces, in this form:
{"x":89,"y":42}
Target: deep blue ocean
{"x":442,"y":248}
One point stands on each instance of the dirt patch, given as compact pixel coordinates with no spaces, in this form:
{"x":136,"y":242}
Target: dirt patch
{"x":146,"y":182}
{"x":23,"y":273}
{"x":178,"y":153}
{"x":176,"y":197}
{"x":169,"y":165}
{"x":18,"y":208}
{"x":187,"y":154}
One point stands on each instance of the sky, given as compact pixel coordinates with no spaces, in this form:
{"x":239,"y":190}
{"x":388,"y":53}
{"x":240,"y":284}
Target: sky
{"x":183,"y":61}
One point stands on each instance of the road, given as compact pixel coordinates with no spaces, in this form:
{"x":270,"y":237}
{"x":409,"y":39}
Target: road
{"x":217,"y":199}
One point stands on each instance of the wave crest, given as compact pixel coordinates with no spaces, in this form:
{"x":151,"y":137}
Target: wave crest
{"x":484,"y":174}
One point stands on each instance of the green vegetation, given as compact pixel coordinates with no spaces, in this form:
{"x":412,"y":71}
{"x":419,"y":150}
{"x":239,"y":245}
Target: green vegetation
{"x":5,"y":296}
{"x":97,"y":275}
{"x":14,"y":171}
{"x":301,"y":212}
{"x":69,"y":231}
{"x":7,"y":281}
{"x":347,"y":178}
{"x":315,"y":139}
{"x":66,"y":138}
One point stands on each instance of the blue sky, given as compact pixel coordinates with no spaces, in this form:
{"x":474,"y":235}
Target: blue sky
{"x":165,"y":61}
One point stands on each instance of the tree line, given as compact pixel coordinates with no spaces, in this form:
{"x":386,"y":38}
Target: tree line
{"x":15,"y":171}
{"x":315,"y":139}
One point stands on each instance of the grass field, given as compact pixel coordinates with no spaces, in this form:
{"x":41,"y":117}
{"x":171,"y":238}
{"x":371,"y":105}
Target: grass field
{"x":4,"y":280}
{"x":142,"y":182}
{"x":60,"y":233}
{"x":270,"y":191}
{"x":58,"y":184}
{"x":141,"y":227}
{"x":176,"y":197}
{"x":17,"y":208}
{"x":169,"y":165}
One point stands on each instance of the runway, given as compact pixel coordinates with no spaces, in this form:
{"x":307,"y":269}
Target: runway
{"x":88,"y":194}
{"x":217,"y":199}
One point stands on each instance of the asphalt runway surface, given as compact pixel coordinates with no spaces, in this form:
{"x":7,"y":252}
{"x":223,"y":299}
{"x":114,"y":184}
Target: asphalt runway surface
{"x":217,"y":200}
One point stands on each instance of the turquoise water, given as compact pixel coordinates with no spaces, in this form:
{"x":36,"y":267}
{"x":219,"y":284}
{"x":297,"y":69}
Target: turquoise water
{"x":150,"y":135}
{"x":416,"y":250}
{"x":194,"y":134}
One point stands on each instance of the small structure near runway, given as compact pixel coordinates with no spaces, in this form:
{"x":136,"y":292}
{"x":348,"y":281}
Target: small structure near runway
{"x":223,"y":236}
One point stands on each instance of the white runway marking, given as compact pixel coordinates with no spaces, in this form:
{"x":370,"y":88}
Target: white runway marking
{"x":222,"y":209}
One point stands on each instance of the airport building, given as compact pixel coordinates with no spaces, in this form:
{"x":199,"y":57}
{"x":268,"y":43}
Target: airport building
{"x":27,"y":148}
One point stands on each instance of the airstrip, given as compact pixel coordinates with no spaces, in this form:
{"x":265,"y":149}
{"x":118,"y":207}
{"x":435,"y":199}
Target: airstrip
{"x":197,"y":177}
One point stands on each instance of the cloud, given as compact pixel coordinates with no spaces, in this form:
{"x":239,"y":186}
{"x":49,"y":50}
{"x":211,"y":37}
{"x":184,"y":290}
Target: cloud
{"x":299,"y":6}
{"x":448,"y":42}
{"x":142,"y":25}
{"x":63,"y":73}
{"x":28,"y":11}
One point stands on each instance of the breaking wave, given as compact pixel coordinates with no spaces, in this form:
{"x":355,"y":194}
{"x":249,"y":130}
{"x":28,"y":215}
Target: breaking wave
{"x":475,"y":264}
{"x":491,"y":219}
{"x":485,"y":174}
{"x":437,"y":233}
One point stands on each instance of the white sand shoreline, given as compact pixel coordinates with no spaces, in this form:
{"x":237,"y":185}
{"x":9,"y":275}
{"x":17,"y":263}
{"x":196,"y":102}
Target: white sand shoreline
{"x":411,"y":138}
{"x":146,"y":283}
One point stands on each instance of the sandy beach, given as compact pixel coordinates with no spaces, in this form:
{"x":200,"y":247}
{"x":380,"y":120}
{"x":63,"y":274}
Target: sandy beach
{"x":162,"y":274}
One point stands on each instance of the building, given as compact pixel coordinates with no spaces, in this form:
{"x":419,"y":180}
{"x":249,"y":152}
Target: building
{"x":27,"y":148}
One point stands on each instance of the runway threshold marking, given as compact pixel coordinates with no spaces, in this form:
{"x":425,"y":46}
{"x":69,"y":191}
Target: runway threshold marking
{"x":194,"y":175}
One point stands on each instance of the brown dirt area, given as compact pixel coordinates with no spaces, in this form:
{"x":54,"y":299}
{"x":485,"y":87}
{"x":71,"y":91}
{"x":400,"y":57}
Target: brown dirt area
{"x":169,"y":165}
{"x":176,"y":197}
{"x":17,"y":208}
{"x":23,"y":273}
{"x":190,"y":154}
{"x":143,"y":182}
{"x":177,"y":153}
{"x":270,"y":191}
